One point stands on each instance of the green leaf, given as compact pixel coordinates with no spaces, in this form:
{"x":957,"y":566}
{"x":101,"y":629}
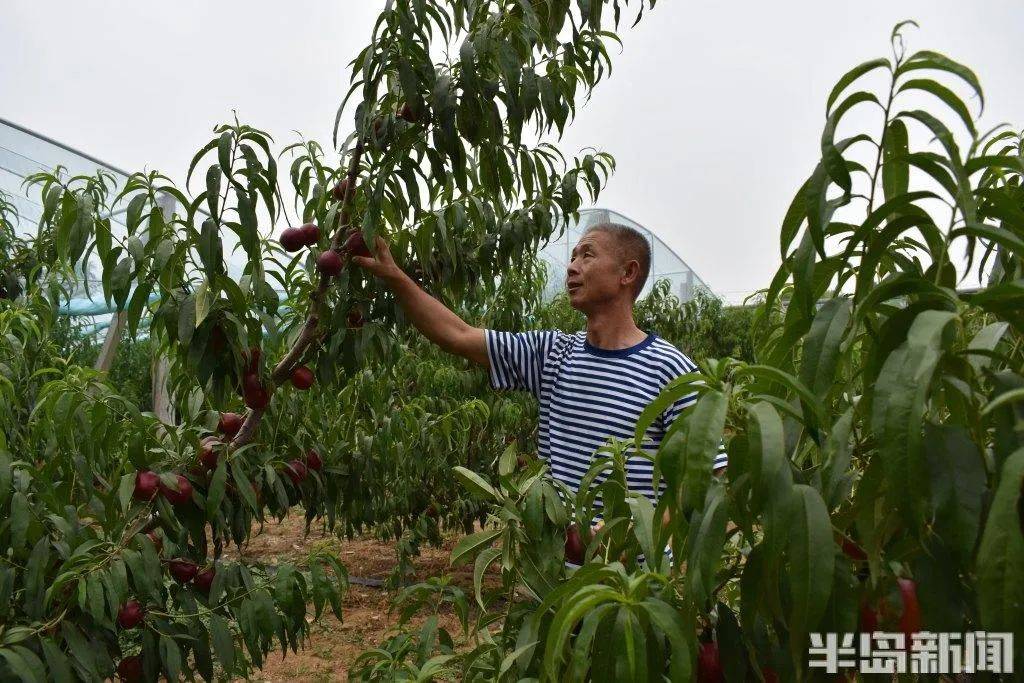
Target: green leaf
{"x":120,"y":282}
{"x":670,"y":622}
{"x":895,"y":166}
{"x":583,"y":601}
{"x":243,"y":483}
{"x":987,"y":339}
{"x":958,"y":482}
{"x":707,"y":544}
{"x":218,"y":483}
{"x":1001,"y":554}
{"x":703,"y":437}
{"x":204,"y":299}
{"x":213,"y":188}
{"x":187,"y":319}
{"x":483,"y":561}
{"x":822,"y":346}
{"x":948,"y":97}
{"x":170,"y":657}
{"x":673,"y":391}
{"x":59,"y":668}
{"x":926,"y":59}
{"x":642,"y":510}
{"x":224,"y":152}
{"x":223,"y":642}
{"x":475,"y":483}
{"x":811,"y":553}
{"x":24,"y":663}
{"x":125,"y":490}
{"x":898,"y":405}
{"x":832,"y":158}
{"x":469,"y":545}
{"x":770,"y":472}
{"x":19,"y":520}
{"x":852,"y":75}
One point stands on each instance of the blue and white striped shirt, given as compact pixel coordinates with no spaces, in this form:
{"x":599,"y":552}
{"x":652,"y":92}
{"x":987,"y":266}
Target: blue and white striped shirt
{"x":588,"y":395}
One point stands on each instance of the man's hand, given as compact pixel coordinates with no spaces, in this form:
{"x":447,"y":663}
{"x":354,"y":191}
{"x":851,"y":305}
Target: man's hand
{"x":382,"y":264}
{"x":437,"y":323}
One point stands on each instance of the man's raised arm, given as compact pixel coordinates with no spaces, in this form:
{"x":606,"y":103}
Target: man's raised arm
{"x":435,"y":320}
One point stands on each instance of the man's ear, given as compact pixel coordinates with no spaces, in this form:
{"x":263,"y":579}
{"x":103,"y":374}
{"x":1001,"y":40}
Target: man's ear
{"x":630,"y":272}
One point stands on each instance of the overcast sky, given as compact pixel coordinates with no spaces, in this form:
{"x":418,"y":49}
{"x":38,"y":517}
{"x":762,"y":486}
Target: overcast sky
{"x":714,"y":111}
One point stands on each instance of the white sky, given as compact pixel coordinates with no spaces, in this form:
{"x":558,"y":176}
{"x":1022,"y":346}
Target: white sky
{"x":714,"y":111}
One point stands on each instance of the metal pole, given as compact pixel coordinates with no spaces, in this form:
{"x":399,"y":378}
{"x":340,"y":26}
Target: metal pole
{"x":162,"y":406}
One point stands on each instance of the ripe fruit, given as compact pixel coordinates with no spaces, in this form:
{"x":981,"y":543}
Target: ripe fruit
{"x":180,"y":496}
{"x":296,"y":471}
{"x":182,"y":570}
{"x":147,"y":483}
{"x":253,"y":392}
{"x":293,"y":239}
{"x":229,"y":424}
{"x":431,"y":511}
{"x":329,"y":263}
{"x":340,"y":190}
{"x":574,"y":549}
{"x":158,"y":542}
{"x":129,"y":669}
{"x":314,"y":461}
{"x":257,"y":398}
{"x":354,"y":319}
{"x":204,"y":579}
{"x":310,"y":233}
{"x":208,"y":452}
{"x":769,"y":675}
{"x":406,"y":113}
{"x":910,"y":620}
{"x":853,"y":551}
{"x":355,"y":244}
{"x":709,"y":665}
{"x":251,"y":381}
{"x":302,"y":377}
{"x":130,"y":615}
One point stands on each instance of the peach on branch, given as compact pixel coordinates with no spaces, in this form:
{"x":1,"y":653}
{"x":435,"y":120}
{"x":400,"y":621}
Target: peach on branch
{"x":329,"y":263}
{"x":292,"y":239}
{"x":130,"y":614}
{"x":147,"y":483}
{"x":181,"y":494}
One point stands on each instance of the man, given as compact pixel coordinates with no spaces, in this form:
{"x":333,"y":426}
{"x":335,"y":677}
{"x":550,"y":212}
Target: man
{"x":591,"y":385}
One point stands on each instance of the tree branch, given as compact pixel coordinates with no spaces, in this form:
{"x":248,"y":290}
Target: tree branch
{"x":308,"y":335}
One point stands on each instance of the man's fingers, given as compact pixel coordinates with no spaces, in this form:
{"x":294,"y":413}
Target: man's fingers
{"x":364,"y":261}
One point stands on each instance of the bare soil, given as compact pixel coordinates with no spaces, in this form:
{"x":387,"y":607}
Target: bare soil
{"x":333,"y":646}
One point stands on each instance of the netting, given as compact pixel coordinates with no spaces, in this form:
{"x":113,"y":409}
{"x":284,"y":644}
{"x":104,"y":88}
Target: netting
{"x":665,"y":263}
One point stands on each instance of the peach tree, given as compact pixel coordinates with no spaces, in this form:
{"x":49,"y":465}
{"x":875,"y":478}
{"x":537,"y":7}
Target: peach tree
{"x":876,"y":444}
{"x":115,"y":523}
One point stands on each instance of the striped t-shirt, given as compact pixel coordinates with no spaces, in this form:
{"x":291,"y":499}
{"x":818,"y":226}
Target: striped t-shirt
{"x":587,"y":395}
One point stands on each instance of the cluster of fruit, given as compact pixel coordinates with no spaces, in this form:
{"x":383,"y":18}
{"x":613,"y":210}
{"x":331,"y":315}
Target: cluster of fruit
{"x":255,"y":393}
{"x":330,"y":262}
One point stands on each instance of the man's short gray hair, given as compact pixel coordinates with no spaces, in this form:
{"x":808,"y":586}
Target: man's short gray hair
{"x":633,"y":245}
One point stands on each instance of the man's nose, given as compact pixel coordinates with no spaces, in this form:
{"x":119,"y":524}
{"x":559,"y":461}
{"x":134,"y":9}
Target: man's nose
{"x":571,"y":270}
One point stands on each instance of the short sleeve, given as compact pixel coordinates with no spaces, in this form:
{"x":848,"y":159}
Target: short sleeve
{"x":517,"y":358}
{"x":676,"y":409}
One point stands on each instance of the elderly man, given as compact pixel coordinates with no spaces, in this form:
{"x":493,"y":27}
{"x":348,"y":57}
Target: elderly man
{"x":591,"y":384}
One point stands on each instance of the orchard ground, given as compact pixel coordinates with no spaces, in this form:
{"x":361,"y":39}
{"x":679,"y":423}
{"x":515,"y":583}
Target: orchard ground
{"x":333,"y":646}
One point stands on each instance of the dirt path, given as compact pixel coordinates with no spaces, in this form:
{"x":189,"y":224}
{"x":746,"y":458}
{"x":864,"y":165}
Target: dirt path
{"x":334,"y":646}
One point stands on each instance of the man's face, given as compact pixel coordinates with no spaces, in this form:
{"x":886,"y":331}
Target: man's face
{"x":596,"y":274}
